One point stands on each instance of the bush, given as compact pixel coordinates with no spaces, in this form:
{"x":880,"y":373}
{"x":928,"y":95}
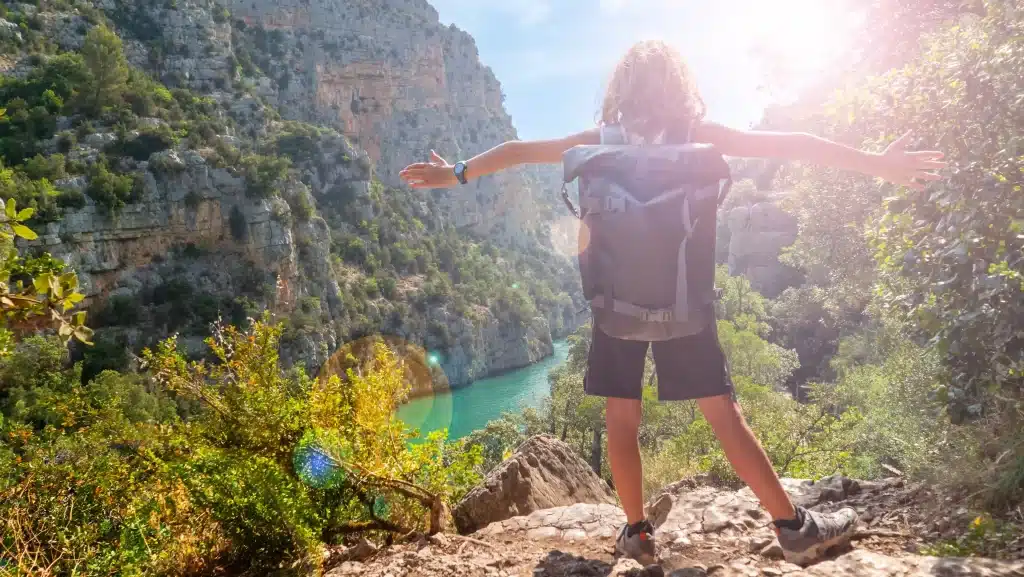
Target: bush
{"x":121,"y":310}
{"x":110,"y":190}
{"x":370,"y":287}
{"x":109,"y":352}
{"x":301,"y":205}
{"x":143,"y":145}
{"x":264,"y":174}
{"x":388,"y":286}
{"x":48,"y":167}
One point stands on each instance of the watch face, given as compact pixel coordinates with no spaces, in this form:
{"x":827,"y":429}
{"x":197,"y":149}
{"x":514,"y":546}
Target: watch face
{"x":460,"y":171}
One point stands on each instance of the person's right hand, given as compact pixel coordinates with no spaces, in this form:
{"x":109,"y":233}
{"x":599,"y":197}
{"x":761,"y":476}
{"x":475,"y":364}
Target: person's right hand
{"x":908,"y":168}
{"x":434,"y":174}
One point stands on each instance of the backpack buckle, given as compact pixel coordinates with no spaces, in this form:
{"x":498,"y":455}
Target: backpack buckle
{"x":614,"y":204}
{"x":656,"y":315}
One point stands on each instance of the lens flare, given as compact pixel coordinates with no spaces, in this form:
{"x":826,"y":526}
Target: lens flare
{"x":568,"y":237}
{"x":314,"y":466}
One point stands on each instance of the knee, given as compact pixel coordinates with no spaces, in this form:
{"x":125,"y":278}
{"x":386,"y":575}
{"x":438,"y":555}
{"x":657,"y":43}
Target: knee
{"x":721,"y":409}
{"x":623,"y":413}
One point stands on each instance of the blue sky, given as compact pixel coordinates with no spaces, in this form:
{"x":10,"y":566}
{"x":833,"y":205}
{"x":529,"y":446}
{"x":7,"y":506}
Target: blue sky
{"x":553,"y":56}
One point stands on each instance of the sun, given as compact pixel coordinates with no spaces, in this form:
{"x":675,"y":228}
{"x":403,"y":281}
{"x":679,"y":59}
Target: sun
{"x":795,"y":40}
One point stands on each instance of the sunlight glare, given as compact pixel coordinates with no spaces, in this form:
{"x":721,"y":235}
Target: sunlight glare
{"x":795,"y":40}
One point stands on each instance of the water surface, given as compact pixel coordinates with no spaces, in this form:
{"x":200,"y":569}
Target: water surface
{"x":469,"y":408}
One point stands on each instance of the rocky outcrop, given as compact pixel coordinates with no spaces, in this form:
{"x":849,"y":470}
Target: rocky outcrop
{"x":703,"y":531}
{"x":757,"y":235}
{"x":543,"y":473}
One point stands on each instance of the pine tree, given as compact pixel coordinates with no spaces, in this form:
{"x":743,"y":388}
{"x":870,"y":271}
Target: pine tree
{"x":108,"y":69}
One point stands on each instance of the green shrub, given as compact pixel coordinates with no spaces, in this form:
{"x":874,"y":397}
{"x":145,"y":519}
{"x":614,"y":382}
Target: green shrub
{"x":110,"y":190}
{"x":145,"y":143}
{"x":264,"y":174}
{"x":388,"y":286}
{"x":370,"y":287}
{"x":301,"y":205}
{"x":48,"y":167}
{"x":109,"y":352}
{"x":66,"y":141}
{"x":122,"y":310}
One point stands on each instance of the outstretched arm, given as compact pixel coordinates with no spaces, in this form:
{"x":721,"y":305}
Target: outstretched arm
{"x":896,"y":164}
{"x":438,"y":173}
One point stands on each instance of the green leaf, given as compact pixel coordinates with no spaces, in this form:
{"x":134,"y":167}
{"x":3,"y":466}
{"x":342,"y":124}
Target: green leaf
{"x":84,"y":334}
{"x":11,"y":212}
{"x":24,"y":232}
{"x":42,"y":283}
{"x":26,"y":213}
{"x":78,"y":318}
{"x":55,"y":289}
{"x":76,"y":297}
{"x":66,"y":330}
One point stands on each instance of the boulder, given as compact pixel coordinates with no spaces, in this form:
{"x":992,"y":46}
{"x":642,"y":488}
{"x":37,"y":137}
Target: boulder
{"x":543,"y":473}
{"x":757,"y":236}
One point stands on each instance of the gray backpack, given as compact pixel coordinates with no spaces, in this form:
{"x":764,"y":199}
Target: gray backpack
{"x":647,"y":236}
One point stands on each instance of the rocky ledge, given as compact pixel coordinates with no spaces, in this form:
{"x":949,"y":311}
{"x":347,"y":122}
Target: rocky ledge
{"x":703,"y":530}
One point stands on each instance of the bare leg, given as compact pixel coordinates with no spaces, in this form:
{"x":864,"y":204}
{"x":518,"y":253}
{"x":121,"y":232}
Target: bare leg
{"x":623,"y":421}
{"x":745,"y":453}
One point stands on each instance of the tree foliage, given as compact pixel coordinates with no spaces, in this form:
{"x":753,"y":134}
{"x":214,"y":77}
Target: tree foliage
{"x":198,"y":463}
{"x":108,"y":69}
{"x":945,"y":264}
{"x":35,"y":293}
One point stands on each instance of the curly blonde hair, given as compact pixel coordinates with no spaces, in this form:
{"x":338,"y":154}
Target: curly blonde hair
{"x":652,"y":91}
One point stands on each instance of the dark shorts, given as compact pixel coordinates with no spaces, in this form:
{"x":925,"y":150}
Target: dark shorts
{"x":690,"y":367}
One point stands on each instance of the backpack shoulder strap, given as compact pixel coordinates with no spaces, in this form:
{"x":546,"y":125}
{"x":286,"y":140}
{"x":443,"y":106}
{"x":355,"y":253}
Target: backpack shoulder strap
{"x":613,"y":134}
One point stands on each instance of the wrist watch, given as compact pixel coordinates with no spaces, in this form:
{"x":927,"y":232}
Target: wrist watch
{"x":460,"y":171}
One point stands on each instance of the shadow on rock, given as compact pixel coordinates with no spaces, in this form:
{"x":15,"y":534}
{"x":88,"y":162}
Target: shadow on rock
{"x":559,"y":564}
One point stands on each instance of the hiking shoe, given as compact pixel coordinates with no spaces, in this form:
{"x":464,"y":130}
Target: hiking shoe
{"x":819,"y":533}
{"x":637,"y":542}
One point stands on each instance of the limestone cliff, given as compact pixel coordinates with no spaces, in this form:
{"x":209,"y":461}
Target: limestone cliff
{"x":387,"y":74}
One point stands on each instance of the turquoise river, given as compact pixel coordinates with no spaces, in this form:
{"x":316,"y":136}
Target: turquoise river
{"x":469,"y":408}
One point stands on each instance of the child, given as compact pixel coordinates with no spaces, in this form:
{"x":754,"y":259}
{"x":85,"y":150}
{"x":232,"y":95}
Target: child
{"x":652,"y":99}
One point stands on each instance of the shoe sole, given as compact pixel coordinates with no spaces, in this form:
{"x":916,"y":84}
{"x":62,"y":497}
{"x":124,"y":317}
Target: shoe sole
{"x":815,"y":552}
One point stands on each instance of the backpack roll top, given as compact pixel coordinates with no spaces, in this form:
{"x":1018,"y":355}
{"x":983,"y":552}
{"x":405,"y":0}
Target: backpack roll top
{"x":658,"y":166}
{"x":647,"y":235}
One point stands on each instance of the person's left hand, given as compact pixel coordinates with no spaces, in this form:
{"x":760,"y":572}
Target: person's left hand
{"x":900,"y":166}
{"x":434,"y":174}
